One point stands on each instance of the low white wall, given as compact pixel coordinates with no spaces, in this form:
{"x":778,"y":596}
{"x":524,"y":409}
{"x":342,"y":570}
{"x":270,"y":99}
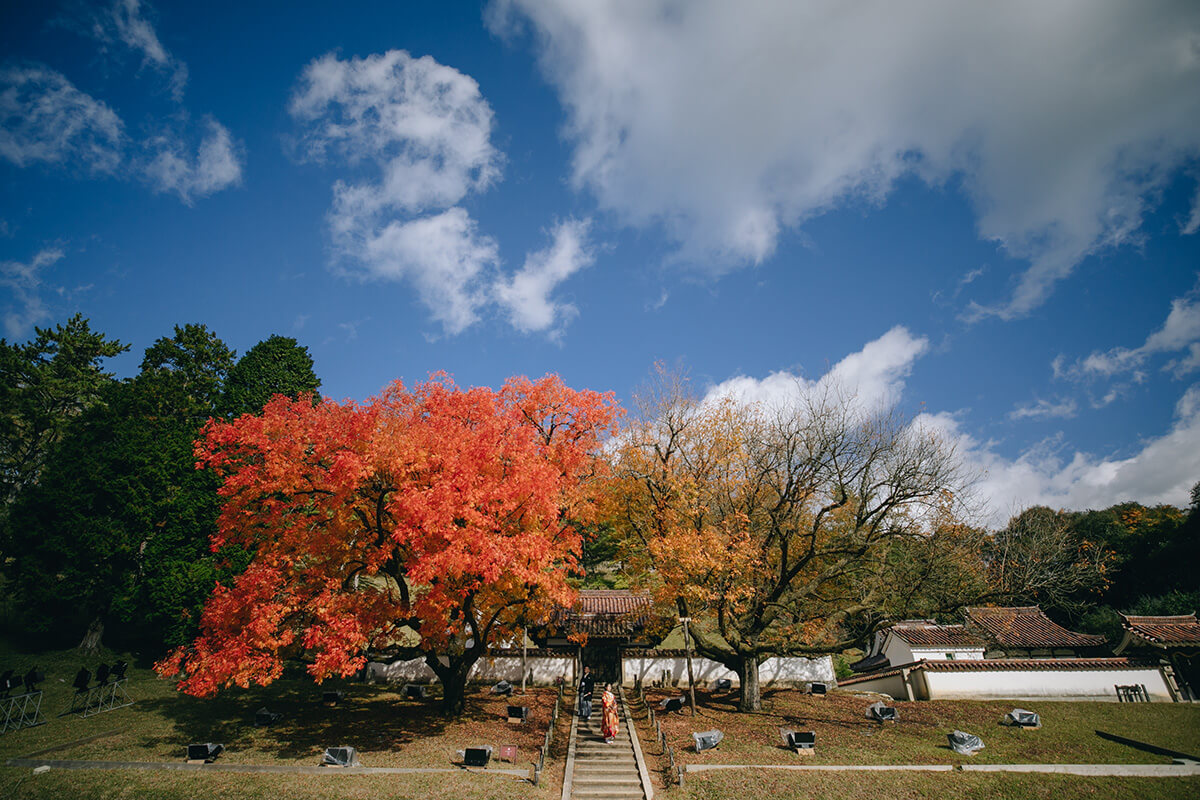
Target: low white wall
{"x":541,"y":670}
{"x":939,"y":654}
{"x":414,"y":671}
{"x":786,"y":670}
{"x":1030,"y":684}
{"x":892,"y":685}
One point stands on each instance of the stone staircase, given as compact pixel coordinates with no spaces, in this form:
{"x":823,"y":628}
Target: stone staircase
{"x":599,"y":771}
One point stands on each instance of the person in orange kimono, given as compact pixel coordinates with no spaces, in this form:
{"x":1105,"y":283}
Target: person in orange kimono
{"x":608,"y":714}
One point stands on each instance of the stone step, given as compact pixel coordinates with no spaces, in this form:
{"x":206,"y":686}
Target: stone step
{"x":602,"y":770}
{"x":607,"y":779}
{"x":612,"y":768}
{"x":630,"y":787}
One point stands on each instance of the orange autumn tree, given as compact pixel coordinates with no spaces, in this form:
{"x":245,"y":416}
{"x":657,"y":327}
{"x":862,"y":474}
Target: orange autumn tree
{"x":781,"y":530}
{"x":445,"y":512}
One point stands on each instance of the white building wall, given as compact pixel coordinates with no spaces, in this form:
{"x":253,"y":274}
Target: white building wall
{"x":541,"y":670}
{"x":778,"y":670}
{"x":892,"y":685}
{"x":1031,"y":684}
{"x":939,"y":654}
{"x":897,"y":650}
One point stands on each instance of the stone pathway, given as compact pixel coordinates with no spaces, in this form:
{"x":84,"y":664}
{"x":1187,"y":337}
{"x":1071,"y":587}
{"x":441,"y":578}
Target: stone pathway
{"x":599,"y":771}
{"x":1176,"y":770}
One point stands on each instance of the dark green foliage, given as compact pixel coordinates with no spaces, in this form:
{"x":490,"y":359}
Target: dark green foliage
{"x":1169,"y":604}
{"x":277,"y":365}
{"x":1153,"y":551}
{"x":841,"y":667}
{"x":120,"y":523}
{"x":44,"y":385}
{"x":185,"y":375}
{"x":601,"y":548}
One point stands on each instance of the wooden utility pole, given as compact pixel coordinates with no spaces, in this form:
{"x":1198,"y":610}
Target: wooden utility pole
{"x":687,"y":646}
{"x":524,"y":656}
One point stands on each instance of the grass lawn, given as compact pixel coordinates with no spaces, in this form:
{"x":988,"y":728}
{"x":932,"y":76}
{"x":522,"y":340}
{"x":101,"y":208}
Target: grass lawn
{"x":722,"y":785}
{"x":387,"y":729}
{"x":846,"y":736}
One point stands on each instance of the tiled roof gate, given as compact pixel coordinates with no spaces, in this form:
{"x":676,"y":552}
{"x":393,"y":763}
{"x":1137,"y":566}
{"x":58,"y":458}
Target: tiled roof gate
{"x":1174,"y":630}
{"x":1028,"y":627}
{"x":1008,"y":665}
{"x":606,"y":613}
{"x":928,"y":634}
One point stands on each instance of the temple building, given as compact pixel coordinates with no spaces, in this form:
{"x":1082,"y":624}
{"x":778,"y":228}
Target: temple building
{"x":1174,"y":641}
{"x":602,"y":624}
{"x":1026,"y":632}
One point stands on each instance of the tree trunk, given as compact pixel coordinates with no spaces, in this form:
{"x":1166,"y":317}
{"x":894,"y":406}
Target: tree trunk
{"x":454,"y":698}
{"x":90,"y":645}
{"x":687,"y":644}
{"x":751,"y":699}
{"x":454,"y":681}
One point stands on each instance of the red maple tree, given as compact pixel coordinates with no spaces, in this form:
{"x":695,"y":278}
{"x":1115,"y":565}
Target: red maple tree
{"x":441,"y":513}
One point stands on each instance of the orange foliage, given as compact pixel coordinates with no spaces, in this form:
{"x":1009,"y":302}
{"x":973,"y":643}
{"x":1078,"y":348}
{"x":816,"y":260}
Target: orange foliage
{"x":436,"y":508}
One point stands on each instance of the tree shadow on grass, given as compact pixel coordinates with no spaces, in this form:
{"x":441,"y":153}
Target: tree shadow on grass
{"x":372,"y":718}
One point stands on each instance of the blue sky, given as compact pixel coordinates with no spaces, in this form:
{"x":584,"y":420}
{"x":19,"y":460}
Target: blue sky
{"x":988,"y":216}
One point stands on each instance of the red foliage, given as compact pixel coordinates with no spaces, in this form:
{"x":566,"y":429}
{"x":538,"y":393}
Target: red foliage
{"x":444,"y":510}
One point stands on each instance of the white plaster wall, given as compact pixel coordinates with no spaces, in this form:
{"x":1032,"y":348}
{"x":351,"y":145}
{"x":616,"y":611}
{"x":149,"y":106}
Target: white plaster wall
{"x":414,"y":671}
{"x":1062,"y":685}
{"x":939,"y":654}
{"x":893,"y":686}
{"x":542,"y":670}
{"x":897,"y":651}
{"x":779,"y":670}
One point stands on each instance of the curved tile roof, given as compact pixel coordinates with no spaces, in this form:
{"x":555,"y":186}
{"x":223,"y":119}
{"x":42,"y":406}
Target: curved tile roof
{"x":1027,"y":627}
{"x":606,"y":613}
{"x":1174,"y":630}
{"x":1037,"y":664}
{"x":1008,"y":665}
{"x":929,"y":634}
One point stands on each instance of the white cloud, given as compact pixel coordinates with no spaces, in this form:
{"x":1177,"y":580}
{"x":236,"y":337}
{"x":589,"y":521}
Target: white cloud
{"x":1180,"y":331}
{"x":526,"y":295}
{"x":215,"y":165}
{"x":875,"y":375}
{"x":44,"y":118}
{"x":1044,"y":409}
{"x":1186,"y":364}
{"x":427,"y":130}
{"x":425,"y":124}
{"x":1162,"y":471}
{"x":25,"y":282}
{"x":729,"y":122}
{"x":444,"y":256}
{"x":1193,"y":221}
{"x":123,"y":23}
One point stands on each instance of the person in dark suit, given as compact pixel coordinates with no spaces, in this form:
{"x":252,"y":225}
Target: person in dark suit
{"x":587,"y":684}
